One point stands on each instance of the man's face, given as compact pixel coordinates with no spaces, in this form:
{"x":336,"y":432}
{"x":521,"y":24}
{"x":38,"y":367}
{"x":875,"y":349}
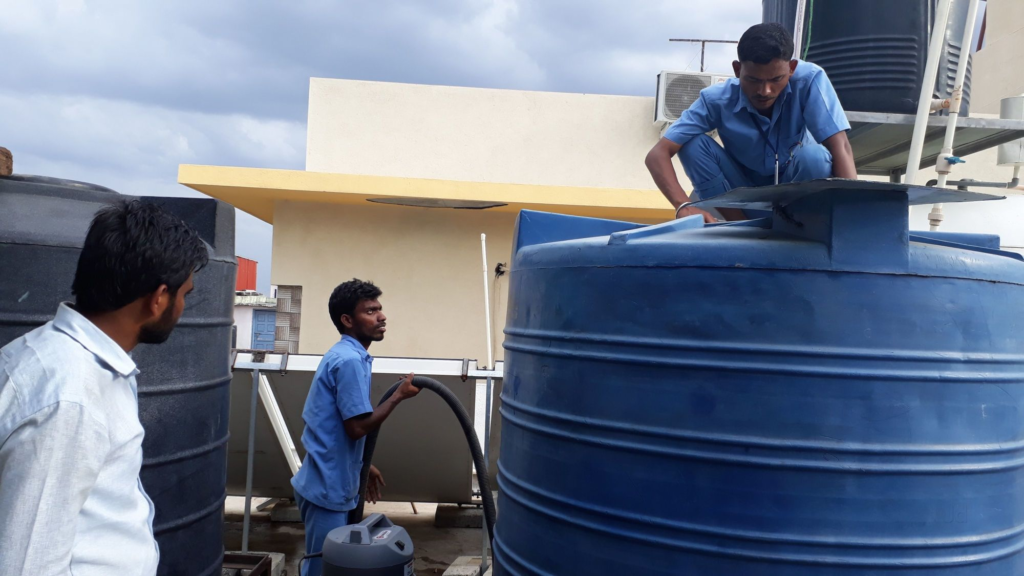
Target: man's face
{"x":762,"y":83}
{"x":159,"y":330}
{"x":368,"y":321}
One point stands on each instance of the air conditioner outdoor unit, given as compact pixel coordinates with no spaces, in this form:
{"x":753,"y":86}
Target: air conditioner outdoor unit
{"x":677,"y":90}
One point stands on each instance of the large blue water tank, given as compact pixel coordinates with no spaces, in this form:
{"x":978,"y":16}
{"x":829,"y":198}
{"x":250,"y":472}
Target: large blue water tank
{"x":817,"y":393}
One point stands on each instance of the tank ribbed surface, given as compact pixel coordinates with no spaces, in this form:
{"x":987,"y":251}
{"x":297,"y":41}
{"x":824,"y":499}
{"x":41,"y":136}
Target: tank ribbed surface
{"x":749,"y":400}
{"x":875,"y":51}
{"x":183,"y":383}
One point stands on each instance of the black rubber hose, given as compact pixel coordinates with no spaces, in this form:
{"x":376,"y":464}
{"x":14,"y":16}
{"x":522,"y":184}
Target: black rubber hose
{"x":483,"y":479}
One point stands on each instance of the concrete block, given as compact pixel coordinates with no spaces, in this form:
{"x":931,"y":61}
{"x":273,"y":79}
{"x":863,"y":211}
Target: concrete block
{"x":452,"y":516}
{"x":285,"y":511}
{"x":464,"y":566}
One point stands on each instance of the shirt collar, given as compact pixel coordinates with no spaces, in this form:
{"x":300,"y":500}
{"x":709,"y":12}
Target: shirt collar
{"x":94,"y":340}
{"x":355,"y":345}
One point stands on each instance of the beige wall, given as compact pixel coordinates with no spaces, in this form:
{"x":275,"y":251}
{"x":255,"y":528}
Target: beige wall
{"x":427,"y":262}
{"x":997,"y":68}
{"x":480,"y":135}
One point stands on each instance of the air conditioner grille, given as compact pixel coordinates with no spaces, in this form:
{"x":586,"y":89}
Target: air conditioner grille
{"x":682,"y":91}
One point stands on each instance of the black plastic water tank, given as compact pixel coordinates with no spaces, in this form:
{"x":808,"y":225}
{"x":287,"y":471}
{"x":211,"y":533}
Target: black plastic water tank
{"x":875,"y":51}
{"x":183,"y":383}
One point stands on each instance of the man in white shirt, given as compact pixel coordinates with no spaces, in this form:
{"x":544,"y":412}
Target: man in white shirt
{"x":71,"y":501}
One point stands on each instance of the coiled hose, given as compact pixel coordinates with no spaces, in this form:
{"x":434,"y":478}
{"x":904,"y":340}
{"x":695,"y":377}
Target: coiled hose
{"x":483,"y":479}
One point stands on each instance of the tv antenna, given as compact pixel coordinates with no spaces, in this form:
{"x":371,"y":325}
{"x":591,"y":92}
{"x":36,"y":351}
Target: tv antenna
{"x":703,"y":45}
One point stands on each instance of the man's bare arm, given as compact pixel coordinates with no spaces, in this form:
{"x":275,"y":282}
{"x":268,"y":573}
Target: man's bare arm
{"x":360,"y":426}
{"x":659,"y":163}
{"x":843,"y":165}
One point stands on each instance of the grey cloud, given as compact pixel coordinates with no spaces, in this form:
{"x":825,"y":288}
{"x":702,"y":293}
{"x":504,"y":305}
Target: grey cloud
{"x":255,"y":57}
{"x":119,"y":92}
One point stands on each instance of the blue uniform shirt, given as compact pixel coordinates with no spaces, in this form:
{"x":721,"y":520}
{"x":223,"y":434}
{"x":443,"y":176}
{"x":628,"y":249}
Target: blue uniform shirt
{"x":329,"y":476}
{"x":808,"y":111}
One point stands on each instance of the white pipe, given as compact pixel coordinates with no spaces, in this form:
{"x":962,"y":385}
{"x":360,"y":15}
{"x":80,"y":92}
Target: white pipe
{"x":798,"y":28}
{"x":924,"y":101}
{"x":940,"y":104}
{"x":487,"y":408}
{"x":942,"y":166}
{"x":278,"y":424}
{"x":487,"y":304}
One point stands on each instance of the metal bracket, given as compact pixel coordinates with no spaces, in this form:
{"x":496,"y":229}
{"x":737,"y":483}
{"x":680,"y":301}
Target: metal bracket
{"x":254,"y":564}
{"x":284,"y":364}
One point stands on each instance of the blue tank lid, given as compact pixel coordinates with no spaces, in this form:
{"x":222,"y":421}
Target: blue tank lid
{"x":830,"y":225}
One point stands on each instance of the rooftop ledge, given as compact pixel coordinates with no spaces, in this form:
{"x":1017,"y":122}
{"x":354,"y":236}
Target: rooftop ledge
{"x":255,"y":190}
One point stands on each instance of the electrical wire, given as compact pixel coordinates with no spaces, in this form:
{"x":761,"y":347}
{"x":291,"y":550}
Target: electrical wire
{"x":810,"y":28}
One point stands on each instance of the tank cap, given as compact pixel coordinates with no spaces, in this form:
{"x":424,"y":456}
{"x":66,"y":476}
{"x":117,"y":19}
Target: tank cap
{"x":865,"y":225}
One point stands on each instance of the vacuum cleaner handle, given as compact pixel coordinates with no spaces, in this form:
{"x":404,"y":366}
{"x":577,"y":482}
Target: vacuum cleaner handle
{"x":374,"y":519}
{"x":360,"y":533}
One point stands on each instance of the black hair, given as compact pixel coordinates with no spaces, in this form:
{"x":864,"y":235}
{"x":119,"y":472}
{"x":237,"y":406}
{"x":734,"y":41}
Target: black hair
{"x":347,"y":296}
{"x":763,"y":43}
{"x":132,"y":248}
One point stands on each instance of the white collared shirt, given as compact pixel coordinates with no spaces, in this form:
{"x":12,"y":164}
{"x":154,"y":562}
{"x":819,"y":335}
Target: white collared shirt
{"x":71,"y":501}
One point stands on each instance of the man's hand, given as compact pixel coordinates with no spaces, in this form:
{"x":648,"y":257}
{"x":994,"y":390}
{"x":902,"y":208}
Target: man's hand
{"x":691,"y":211}
{"x":407,"y":390}
{"x":374,"y":482}
{"x":359,"y":426}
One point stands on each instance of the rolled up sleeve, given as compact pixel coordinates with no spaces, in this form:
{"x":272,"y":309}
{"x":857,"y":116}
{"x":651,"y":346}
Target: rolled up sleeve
{"x":49,"y":463}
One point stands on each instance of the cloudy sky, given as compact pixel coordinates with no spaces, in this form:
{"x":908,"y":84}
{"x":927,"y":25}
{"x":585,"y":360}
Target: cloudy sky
{"x":120,"y":92}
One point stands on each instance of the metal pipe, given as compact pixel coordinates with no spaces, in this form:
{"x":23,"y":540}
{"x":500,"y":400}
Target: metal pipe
{"x":943,"y":165}
{"x":927,"y":86}
{"x":250,"y":458}
{"x":798,"y":27}
{"x":284,"y":438}
{"x":484,"y":564}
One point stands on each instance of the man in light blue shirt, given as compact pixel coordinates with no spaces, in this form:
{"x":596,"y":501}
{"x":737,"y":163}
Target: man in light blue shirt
{"x":71,"y":501}
{"x":779,"y":121}
{"x":338,"y":416}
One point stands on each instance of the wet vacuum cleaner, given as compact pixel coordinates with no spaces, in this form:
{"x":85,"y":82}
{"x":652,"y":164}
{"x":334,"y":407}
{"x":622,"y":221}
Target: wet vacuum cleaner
{"x":373,"y":547}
